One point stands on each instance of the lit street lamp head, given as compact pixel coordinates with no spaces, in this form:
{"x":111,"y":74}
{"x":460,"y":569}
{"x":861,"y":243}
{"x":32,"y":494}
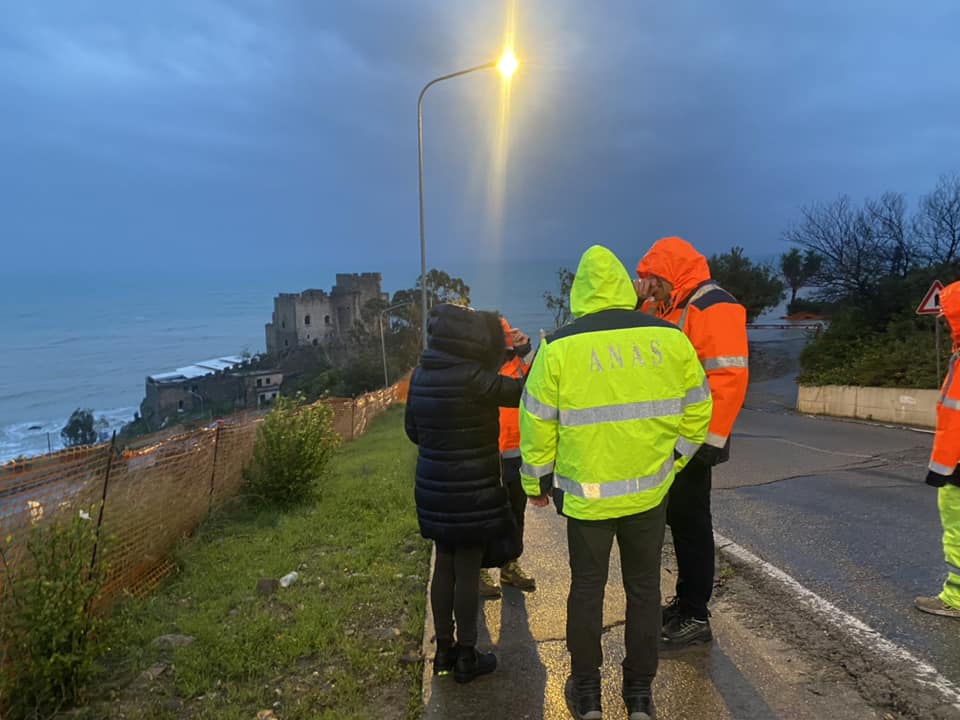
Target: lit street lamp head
{"x":508,"y":63}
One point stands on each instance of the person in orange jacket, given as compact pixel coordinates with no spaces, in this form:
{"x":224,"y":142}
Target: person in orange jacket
{"x":944,"y":468}
{"x":674,"y":283}
{"x":517,"y":348}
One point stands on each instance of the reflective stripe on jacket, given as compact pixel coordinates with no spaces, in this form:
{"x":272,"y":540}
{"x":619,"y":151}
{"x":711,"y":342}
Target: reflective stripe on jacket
{"x":713,"y":320}
{"x":616,"y":402}
{"x":509,"y":417}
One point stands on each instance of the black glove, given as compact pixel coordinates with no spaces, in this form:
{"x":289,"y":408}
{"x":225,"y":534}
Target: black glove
{"x":936,"y":479}
{"x":708,"y":455}
{"x":546,"y":484}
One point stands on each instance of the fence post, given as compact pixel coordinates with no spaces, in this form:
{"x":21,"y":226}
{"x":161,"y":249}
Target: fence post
{"x":103,"y":501}
{"x":353,"y":417}
{"x":213,"y":472}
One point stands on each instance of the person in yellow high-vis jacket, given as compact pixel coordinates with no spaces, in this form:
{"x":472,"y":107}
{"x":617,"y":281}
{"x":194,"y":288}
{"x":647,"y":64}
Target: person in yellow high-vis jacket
{"x":944,"y":469}
{"x":615,"y":404}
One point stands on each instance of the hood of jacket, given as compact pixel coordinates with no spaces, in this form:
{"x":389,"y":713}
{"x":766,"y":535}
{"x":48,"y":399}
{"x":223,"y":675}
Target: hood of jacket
{"x":676,"y":261}
{"x":455,"y":332}
{"x":950,"y":306}
{"x":601,"y":283}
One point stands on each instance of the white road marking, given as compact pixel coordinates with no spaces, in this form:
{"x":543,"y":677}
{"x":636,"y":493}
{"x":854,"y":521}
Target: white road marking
{"x":851,"y":627}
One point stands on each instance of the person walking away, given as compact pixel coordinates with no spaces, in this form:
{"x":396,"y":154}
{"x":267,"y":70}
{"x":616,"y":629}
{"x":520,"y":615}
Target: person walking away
{"x":518,"y":347}
{"x":944,"y":469}
{"x":615,"y":404}
{"x":677,"y":279}
{"x":452,"y":416}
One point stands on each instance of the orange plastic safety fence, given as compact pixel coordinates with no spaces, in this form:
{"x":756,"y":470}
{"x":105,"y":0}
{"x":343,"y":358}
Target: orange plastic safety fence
{"x":148,"y":497}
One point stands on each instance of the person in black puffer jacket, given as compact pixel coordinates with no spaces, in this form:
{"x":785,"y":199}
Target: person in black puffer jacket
{"x":453,"y":416}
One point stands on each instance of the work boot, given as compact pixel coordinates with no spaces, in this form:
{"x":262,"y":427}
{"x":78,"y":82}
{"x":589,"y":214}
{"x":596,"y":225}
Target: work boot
{"x":488,"y":587}
{"x":638,"y":697}
{"x":513,"y":574}
{"x":683,"y":632}
{"x":936,"y":606}
{"x":445,"y":658}
{"x":583,"y":697}
{"x":669,"y":611}
{"x":472,"y":664}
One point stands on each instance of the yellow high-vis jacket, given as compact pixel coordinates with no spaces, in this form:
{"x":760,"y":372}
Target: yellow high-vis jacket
{"x":616,"y":402}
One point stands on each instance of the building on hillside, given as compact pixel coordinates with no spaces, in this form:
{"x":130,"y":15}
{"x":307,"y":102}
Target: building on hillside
{"x":314,"y":317}
{"x":216,"y":386}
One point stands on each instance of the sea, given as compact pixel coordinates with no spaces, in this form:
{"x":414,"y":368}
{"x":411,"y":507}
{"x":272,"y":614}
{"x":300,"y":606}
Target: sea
{"x":89,"y":339}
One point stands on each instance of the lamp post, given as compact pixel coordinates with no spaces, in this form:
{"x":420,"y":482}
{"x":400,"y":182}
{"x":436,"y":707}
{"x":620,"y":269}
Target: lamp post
{"x":383,"y":344}
{"x":507,"y":66}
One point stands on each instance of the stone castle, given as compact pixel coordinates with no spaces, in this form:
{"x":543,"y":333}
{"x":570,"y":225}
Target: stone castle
{"x":315,"y":316}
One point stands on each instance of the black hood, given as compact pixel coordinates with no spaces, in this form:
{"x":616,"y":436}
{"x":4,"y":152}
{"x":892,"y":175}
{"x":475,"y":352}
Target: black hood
{"x":466,"y":334}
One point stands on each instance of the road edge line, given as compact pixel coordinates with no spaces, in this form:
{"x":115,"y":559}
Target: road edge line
{"x":854,"y":629}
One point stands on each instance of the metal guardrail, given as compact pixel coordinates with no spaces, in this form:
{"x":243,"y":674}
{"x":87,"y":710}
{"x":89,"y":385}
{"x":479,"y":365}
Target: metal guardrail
{"x":807,"y":325}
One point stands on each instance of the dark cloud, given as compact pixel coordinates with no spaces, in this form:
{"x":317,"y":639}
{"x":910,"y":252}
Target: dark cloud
{"x":207,"y":132}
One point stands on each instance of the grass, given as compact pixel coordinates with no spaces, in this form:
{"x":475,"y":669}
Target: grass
{"x":342,"y":641}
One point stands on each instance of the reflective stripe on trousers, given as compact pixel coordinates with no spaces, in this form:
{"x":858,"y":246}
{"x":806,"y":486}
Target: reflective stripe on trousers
{"x":948,"y":499}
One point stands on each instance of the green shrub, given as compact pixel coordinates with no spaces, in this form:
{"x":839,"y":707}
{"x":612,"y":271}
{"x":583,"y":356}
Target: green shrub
{"x":47,"y":624}
{"x":851,"y":352}
{"x":294,"y":445}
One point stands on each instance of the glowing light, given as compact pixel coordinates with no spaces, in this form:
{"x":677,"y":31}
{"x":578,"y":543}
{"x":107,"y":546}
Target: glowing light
{"x":508,"y":63}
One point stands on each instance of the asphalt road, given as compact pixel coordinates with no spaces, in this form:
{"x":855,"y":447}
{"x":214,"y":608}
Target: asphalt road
{"x":842,"y":507}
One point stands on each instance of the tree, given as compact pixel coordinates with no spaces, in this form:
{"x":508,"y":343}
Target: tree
{"x":937,"y":223}
{"x":441,"y":288}
{"x":559,"y":304}
{"x":853,"y":251}
{"x":357,"y":357}
{"x":79,"y":429}
{"x":756,"y":287}
{"x":799,"y":269}
{"x":894,"y":233}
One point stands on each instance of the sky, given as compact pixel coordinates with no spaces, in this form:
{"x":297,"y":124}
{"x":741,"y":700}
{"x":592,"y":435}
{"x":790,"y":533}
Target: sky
{"x":252,"y":133}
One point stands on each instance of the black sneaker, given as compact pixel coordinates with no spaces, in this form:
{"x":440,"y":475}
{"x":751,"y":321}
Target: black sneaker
{"x":638,"y":697}
{"x":683,"y":632}
{"x":669,"y":611}
{"x":472,"y":664}
{"x":583,"y":697}
{"x":445,"y":659}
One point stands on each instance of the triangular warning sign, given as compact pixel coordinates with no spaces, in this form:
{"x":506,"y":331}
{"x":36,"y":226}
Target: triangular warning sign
{"x":931,"y":301}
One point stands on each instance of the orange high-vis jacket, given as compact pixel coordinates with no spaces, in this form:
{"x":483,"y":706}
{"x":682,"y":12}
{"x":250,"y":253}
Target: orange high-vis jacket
{"x":510,"y":417}
{"x":715,"y":323}
{"x":946,"y":442}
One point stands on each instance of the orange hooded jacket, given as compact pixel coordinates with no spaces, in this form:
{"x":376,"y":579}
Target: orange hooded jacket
{"x":510,"y":417}
{"x":715,"y":323}
{"x":945,"y":458}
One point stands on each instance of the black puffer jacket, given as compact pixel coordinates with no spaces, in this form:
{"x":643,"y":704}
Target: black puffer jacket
{"x":452,"y":415}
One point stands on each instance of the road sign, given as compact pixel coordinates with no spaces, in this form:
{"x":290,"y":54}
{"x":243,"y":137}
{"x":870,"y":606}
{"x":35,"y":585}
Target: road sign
{"x":931,"y":301}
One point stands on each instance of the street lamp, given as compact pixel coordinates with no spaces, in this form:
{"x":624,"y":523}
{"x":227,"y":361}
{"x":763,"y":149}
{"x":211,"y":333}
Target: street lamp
{"x":507,"y":65}
{"x":383,"y":344}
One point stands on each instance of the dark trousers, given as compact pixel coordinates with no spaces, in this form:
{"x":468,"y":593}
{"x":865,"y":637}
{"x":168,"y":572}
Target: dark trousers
{"x":640,"y":538}
{"x":690,"y":521}
{"x":518,"y":498}
{"x":454,"y":593}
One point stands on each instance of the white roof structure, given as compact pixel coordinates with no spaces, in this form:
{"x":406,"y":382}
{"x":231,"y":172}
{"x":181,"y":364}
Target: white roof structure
{"x":204,"y":367}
